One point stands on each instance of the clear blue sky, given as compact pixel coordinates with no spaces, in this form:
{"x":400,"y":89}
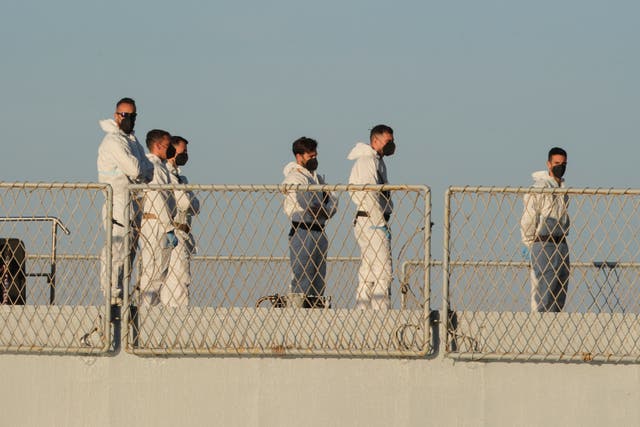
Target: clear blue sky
{"x":477,"y":91}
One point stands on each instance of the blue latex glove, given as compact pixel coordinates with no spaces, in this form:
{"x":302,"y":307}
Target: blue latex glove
{"x":172,"y":240}
{"x":526,"y":255}
{"x":383,"y":228}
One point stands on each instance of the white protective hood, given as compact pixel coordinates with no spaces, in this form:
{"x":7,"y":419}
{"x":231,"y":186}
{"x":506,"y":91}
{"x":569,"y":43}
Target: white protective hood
{"x":292,"y":166}
{"x":109,"y":126}
{"x":543,"y":179}
{"x":361,"y":150}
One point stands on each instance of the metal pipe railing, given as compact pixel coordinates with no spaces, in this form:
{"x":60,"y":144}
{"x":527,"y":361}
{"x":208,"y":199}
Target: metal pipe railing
{"x":55,"y":223}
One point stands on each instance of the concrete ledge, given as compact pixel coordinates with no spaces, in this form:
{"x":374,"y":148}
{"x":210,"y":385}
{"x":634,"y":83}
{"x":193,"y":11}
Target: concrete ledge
{"x":279,"y":331}
{"x":547,"y":336}
{"x":51,"y":328}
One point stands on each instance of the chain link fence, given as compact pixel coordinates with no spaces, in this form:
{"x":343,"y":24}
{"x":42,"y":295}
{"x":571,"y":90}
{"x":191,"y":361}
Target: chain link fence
{"x":487,"y":276}
{"x":51,"y":236}
{"x":240,"y":297}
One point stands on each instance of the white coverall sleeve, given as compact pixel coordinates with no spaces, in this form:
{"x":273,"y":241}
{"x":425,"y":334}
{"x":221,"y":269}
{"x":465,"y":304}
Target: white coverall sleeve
{"x":125,"y":160}
{"x":294,"y":200}
{"x":182,"y":200}
{"x":186,"y":201}
{"x":529,"y":220}
{"x":146,"y":167}
{"x":365,"y":172}
{"x":159,"y":202}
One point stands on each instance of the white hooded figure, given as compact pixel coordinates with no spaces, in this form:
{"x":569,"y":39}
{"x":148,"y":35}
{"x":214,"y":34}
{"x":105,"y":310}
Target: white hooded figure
{"x":121,"y":161}
{"x":544,"y":227}
{"x":176,"y":291}
{"x":308,"y":212}
{"x":371,"y":227}
{"x":157,"y":234}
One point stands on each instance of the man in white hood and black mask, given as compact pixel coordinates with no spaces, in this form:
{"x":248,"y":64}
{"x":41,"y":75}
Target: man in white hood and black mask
{"x":186,"y":206}
{"x":121,"y":161}
{"x":157,"y":232}
{"x":544,"y":227}
{"x":308,"y":212}
{"x":371,"y":226}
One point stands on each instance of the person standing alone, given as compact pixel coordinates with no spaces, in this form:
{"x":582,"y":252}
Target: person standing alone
{"x":544,"y":227}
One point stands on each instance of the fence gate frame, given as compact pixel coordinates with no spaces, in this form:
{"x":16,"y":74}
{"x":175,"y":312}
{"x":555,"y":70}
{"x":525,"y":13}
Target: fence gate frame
{"x":131,"y":313}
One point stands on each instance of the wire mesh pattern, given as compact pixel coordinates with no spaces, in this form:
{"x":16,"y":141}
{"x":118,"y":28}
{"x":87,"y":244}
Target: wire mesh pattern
{"x":241,"y":298}
{"x":51,"y":237}
{"x":487,"y":277}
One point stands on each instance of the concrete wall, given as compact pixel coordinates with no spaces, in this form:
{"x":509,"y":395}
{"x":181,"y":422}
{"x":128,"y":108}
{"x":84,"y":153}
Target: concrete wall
{"x":127,"y":390}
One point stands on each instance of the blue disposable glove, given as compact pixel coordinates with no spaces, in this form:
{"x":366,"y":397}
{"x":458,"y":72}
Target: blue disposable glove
{"x":172,"y":240}
{"x":526,"y":255}
{"x":383,"y":228}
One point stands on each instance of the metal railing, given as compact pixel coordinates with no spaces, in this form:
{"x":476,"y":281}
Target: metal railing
{"x":240,"y":298}
{"x":488,"y":290}
{"x":240,"y":295}
{"x":55,"y":224}
{"x":61,"y":308}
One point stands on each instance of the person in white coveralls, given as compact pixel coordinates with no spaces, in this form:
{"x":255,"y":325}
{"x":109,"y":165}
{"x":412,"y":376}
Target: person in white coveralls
{"x":308,"y":212}
{"x":157,"y":235}
{"x":371,"y":225}
{"x":187,"y":205}
{"x":544,"y":227}
{"x":121,"y":161}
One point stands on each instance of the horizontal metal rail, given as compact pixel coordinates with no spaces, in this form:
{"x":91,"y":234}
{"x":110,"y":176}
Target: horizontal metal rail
{"x":530,"y":190}
{"x":65,"y":257}
{"x":55,"y":185}
{"x":55,"y":223}
{"x":53,"y":219}
{"x":278,"y":188}
{"x":520,"y":264}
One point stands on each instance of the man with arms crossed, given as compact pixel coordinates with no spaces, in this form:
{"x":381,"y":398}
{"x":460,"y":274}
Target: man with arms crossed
{"x":308,"y":212}
{"x":121,"y":161}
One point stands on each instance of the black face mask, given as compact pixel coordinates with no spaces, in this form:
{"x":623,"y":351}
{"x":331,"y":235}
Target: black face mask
{"x":311,"y":165}
{"x":389,"y":148}
{"x":127,"y":124}
{"x":558,"y":170}
{"x":181,"y":159}
{"x":171,"y":151}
